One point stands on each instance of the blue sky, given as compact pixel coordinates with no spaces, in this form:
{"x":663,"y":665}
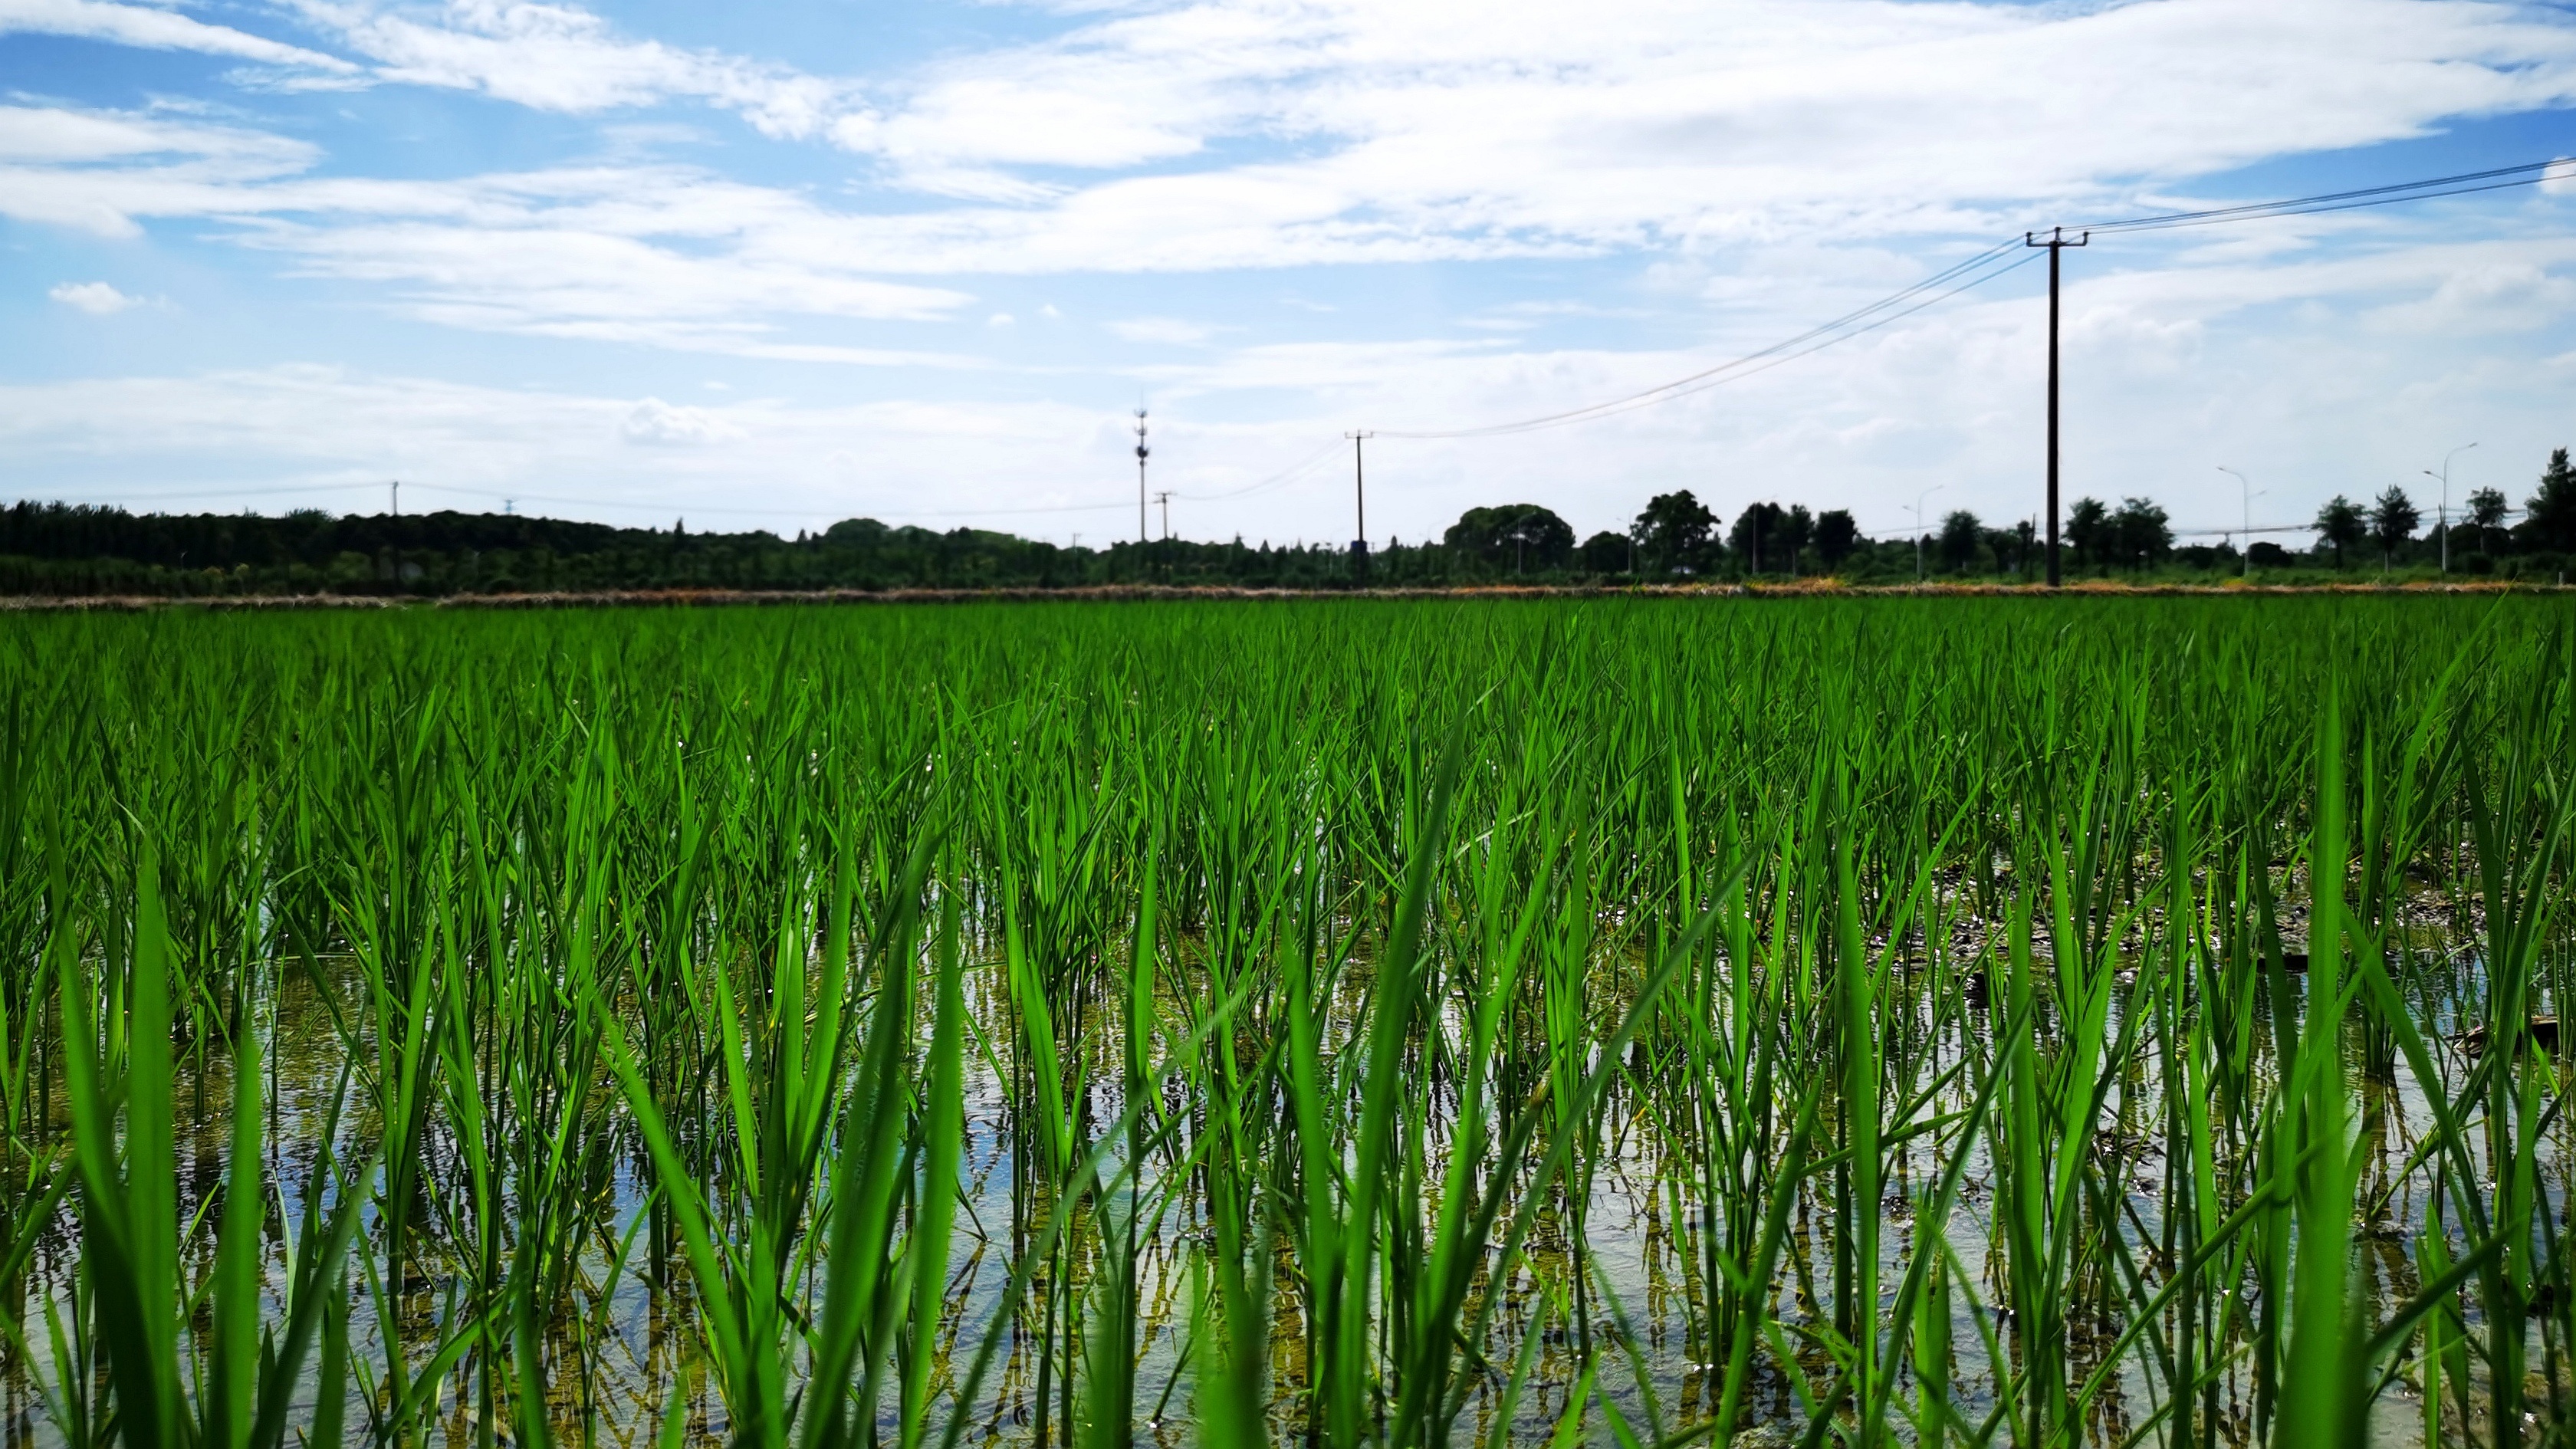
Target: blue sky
{"x":771,"y":266}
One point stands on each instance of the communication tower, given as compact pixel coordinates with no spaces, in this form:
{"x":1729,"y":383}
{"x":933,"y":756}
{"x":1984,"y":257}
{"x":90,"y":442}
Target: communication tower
{"x":1141,"y":451}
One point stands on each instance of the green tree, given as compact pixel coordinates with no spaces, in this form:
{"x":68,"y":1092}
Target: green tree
{"x":2341,"y":524}
{"x":1673,"y":531}
{"x":1608,"y":553}
{"x":1797,"y":527}
{"x":2392,"y":523}
{"x":1837,"y":534}
{"x":2486,"y":515}
{"x":1515,"y":538}
{"x":1961,"y":536}
{"x":2140,"y":534}
{"x":2550,"y":517}
{"x":2088,"y":532}
{"x":1755,"y":538}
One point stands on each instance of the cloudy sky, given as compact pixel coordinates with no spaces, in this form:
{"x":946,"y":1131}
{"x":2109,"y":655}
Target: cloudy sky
{"x":770,"y":266}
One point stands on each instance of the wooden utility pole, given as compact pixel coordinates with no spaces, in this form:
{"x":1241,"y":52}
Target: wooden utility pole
{"x":2056,"y":244}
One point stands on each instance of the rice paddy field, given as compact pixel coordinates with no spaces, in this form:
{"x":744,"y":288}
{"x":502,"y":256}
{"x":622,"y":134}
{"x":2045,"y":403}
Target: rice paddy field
{"x":1331,"y":1023}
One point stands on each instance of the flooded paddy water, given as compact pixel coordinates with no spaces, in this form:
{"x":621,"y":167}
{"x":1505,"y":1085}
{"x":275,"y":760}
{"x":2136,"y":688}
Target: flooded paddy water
{"x":1868,"y":1022}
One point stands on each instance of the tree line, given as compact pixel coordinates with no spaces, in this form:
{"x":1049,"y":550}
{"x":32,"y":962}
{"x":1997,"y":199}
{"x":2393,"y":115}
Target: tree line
{"x":79,"y":549}
{"x":1678,"y":535}
{"x":2387,"y":526}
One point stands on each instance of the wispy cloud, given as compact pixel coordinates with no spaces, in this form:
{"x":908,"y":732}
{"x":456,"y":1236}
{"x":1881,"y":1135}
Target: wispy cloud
{"x":564,"y":58}
{"x":1167,"y":331}
{"x":153,"y":28}
{"x":96,"y":298}
{"x":655,"y":423}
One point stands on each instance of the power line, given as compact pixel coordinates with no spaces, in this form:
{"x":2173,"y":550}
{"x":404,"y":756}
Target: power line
{"x":1287,"y":475}
{"x":1815,"y":339}
{"x":2528,"y":173}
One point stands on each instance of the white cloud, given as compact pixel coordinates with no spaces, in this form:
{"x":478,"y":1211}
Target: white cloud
{"x":96,"y":298}
{"x":564,"y":453}
{"x":53,"y":135}
{"x":1749,"y":165}
{"x":1450,"y":129}
{"x":153,"y":28}
{"x":656,"y":423}
{"x":1338,"y":131}
{"x":2487,"y":295}
{"x":559,"y":57}
{"x":665,"y":256}
{"x":1167,"y":331}
{"x":2297,"y":375}
{"x":100,"y":171}
{"x":1307,"y":134}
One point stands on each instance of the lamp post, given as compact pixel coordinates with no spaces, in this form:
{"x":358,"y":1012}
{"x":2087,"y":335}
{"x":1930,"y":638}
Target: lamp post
{"x":2250,"y":495}
{"x":2445,"y":476}
{"x":1918,"y":529}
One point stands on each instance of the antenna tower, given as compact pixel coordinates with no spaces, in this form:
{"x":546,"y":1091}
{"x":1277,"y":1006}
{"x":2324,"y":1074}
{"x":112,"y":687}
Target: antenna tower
{"x":1141,"y":451}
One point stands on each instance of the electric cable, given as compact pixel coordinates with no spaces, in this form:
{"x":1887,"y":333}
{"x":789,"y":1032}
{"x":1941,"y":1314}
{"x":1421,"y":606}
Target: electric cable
{"x":1680,"y":387}
{"x":2528,"y":173}
{"x":1289,"y":475}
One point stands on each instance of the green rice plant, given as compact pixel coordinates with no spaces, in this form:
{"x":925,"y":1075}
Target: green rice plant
{"x":1373,"y":1023}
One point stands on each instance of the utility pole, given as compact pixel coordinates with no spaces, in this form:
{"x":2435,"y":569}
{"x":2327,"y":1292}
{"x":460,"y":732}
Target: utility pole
{"x":396,"y":486}
{"x":2445,"y":476}
{"x":1359,"y":494}
{"x":2057,"y":245}
{"x":1165,"y":498}
{"x":1140,"y":475}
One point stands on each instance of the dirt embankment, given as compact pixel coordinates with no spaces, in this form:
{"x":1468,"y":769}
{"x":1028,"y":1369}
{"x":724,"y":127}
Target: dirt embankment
{"x":690,"y":598}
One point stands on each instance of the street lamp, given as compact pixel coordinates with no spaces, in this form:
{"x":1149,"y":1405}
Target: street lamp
{"x":1918,"y":529}
{"x":2445,"y":476}
{"x":2250,"y":495}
